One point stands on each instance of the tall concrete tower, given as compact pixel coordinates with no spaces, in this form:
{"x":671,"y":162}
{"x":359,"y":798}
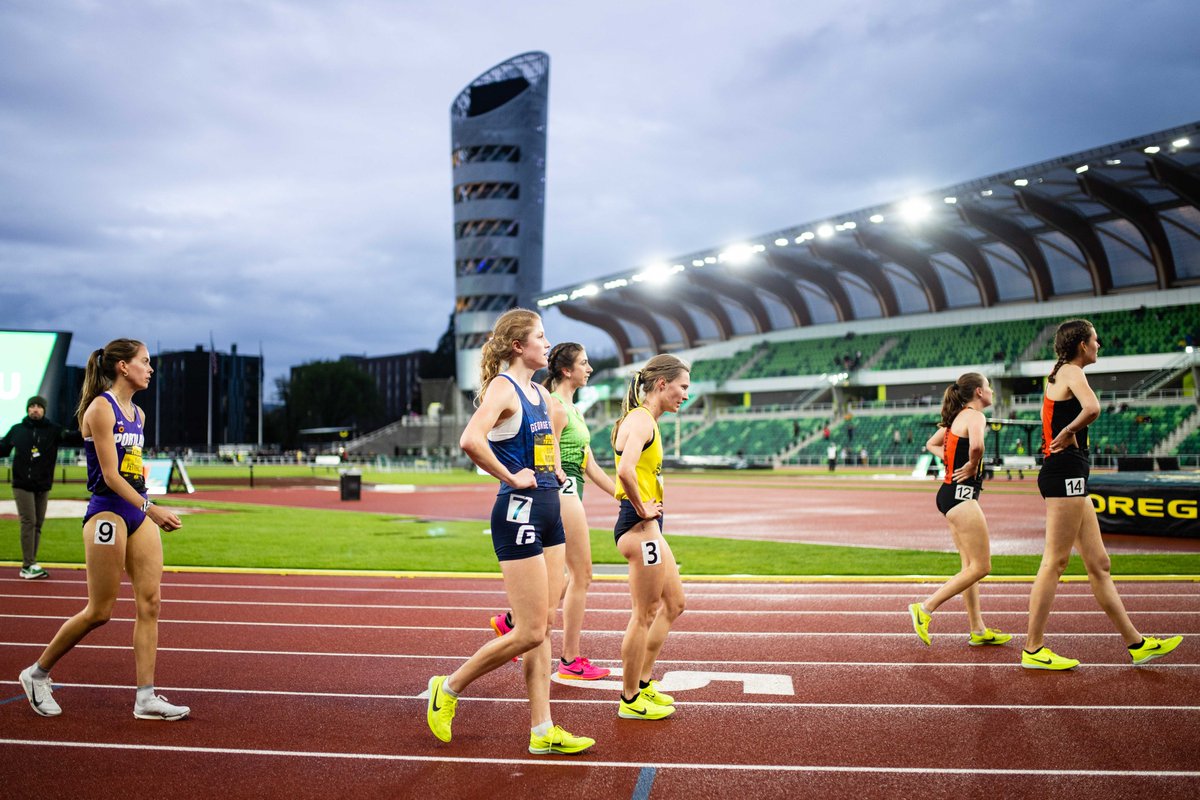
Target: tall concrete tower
{"x":498,"y":138}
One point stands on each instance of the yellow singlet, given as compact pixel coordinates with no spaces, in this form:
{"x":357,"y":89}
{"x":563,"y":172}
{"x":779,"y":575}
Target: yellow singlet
{"x":649,"y":468}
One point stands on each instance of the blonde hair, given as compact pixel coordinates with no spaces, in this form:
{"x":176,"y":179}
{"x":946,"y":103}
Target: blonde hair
{"x":958,"y":394}
{"x":666,"y":367}
{"x":513,"y":325}
{"x":101,"y":371}
{"x":1067,"y":339}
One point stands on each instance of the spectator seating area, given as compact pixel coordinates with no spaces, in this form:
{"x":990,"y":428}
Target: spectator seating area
{"x":973,"y":344}
{"x":877,"y":434}
{"x":1142,"y":331}
{"x":815,"y":356}
{"x":1135,"y":429}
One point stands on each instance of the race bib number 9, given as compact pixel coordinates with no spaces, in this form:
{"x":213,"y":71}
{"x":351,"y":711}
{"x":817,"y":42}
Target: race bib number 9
{"x":106,"y":532}
{"x":652,"y":553}
{"x":964,"y":493}
{"x":1075,"y":487}
{"x":570,"y":488}
{"x":519,"y":508}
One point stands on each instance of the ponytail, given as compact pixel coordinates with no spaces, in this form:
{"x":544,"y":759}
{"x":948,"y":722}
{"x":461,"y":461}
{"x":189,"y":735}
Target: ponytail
{"x":1067,"y":339}
{"x":666,"y":367}
{"x":513,"y":325}
{"x":101,"y":371}
{"x":958,"y":394}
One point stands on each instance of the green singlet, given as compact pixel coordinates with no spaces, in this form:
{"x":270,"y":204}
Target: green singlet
{"x":574,"y":444}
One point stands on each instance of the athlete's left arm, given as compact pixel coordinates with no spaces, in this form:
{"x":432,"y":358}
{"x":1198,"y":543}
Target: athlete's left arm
{"x":976,"y":430}
{"x":936,"y":443}
{"x":598,"y":476}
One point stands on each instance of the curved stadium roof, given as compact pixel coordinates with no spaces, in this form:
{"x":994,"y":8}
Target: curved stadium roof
{"x":1123,"y":217}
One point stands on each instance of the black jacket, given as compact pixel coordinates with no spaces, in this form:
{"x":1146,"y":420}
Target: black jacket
{"x":36,"y":444}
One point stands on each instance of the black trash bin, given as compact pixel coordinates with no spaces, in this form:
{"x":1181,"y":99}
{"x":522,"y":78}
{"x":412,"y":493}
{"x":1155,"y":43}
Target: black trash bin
{"x":351,"y":485}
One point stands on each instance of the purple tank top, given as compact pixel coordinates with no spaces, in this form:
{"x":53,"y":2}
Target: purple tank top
{"x":130,"y":437}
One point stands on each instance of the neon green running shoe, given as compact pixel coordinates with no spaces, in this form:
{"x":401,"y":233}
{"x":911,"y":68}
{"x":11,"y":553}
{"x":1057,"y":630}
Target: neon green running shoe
{"x":920,"y":621}
{"x":440,"y":712}
{"x":1154,"y":648}
{"x":1045,"y":658}
{"x":558,"y":741}
{"x":989,"y":636}
{"x":643,"y":708}
{"x":657,"y":697}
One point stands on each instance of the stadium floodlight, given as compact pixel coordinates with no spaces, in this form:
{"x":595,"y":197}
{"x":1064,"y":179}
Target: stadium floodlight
{"x":736,"y":255}
{"x":1181,"y":143}
{"x":986,"y":193}
{"x":781,"y":242}
{"x":1021,"y":182}
{"x":1152,"y":149}
{"x":825,"y":231}
{"x":949,"y":200}
{"x":849,"y":225}
{"x":697,"y":262}
{"x":655,"y":273}
{"x":616,"y":284}
{"x":585,"y":291}
{"x":914,"y":209}
{"x":877,"y":218}
{"x":553,"y":299}
{"x":710,"y":259}
{"x":758,"y":248}
{"x":1112,"y":162}
{"x":1081,"y":169}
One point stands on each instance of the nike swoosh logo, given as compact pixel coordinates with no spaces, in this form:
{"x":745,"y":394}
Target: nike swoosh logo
{"x":636,"y":711}
{"x":436,"y":707}
{"x":1156,"y":647}
{"x":1040,"y":660}
{"x":573,"y":671}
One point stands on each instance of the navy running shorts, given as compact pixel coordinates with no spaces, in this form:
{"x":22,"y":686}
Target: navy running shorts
{"x":524,"y":522}
{"x":627,"y":518}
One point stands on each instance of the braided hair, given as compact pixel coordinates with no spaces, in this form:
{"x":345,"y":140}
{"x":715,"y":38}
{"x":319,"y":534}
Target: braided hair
{"x":1067,"y":339}
{"x":562,"y":357}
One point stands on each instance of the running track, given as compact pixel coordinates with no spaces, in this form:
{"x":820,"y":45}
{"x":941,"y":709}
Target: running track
{"x":310,"y":686}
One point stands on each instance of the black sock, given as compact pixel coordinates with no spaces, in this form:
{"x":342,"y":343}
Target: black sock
{"x":1138,"y":645}
{"x":626,"y":700}
{"x":508,"y":618}
{"x":1034,"y":652}
{"x":643,"y":684}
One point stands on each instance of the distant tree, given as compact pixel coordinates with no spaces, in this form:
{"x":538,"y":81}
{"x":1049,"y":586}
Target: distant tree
{"x":325,"y":394}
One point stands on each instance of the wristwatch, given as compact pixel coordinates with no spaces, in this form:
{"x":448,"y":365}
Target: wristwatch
{"x":146,"y":505}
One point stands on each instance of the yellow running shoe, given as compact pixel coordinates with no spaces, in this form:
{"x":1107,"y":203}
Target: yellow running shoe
{"x":440,"y":712}
{"x":643,"y":708}
{"x":1045,"y":658}
{"x":1153,"y":648}
{"x":989,"y":636}
{"x":558,"y":741}
{"x":920,"y":621}
{"x":657,"y":697}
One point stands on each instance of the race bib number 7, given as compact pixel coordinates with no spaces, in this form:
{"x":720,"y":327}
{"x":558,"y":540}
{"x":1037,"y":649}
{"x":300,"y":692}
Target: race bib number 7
{"x":519,"y":508}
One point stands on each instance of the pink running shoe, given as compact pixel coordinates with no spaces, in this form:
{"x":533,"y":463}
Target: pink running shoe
{"x":500,"y":625}
{"x":581,"y":670}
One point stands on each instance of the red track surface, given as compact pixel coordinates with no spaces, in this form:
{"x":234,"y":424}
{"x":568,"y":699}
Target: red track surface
{"x":851,"y":510}
{"x":308,"y":686}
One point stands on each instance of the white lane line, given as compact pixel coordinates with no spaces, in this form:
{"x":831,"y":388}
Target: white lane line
{"x":1065,"y":590}
{"x":773,"y":612}
{"x":721,"y":704}
{"x":662,"y":765}
{"x":477,"y":629}
{"x":616,"y":661}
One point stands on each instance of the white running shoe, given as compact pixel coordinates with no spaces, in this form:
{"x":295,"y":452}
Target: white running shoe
{"x":157,"y":707}
{"x":39,"y":693}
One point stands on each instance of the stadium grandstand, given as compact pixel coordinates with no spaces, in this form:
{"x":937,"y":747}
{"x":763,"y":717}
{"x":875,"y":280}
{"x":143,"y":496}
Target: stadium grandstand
{"x":845,"y":330}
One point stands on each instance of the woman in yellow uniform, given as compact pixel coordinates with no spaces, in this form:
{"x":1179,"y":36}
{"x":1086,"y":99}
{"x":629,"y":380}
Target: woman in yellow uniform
{"x":654,"y":584}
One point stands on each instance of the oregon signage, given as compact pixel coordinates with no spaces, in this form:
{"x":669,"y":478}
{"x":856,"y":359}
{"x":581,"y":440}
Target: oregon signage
{"x":1147,"y":503}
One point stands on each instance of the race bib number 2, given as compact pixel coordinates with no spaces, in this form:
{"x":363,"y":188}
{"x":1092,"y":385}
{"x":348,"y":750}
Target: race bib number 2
{"x":519,"y":508}
{"x":1075,"y":487}
{"x":569,"y":488}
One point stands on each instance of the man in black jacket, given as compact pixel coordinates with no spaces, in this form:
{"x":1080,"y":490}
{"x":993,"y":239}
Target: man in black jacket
{"x":35,"y":440}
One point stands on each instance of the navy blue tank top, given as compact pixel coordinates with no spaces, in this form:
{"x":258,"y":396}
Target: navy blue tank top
{"x":130,"y":439}
{"x":526,"y":441}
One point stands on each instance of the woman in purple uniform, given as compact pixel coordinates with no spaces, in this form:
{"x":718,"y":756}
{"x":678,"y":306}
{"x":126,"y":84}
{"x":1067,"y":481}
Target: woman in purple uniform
{"x":120,"y":528}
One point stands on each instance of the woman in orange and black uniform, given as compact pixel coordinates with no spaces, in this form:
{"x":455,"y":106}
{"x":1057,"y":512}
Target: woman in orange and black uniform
{"x":1068,"y":408}
{"x":959,"y":443}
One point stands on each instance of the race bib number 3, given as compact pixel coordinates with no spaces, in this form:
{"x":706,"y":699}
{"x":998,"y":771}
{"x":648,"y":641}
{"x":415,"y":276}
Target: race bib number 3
{"x":106,"y":532}
{"x":519,"y":508}
{"x":652,"y":553}
{"x":1075,"y":487}
{"x":964,"y":493}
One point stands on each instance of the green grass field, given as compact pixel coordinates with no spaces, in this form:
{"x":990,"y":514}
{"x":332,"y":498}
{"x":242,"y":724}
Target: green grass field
{"x":235,"y":535}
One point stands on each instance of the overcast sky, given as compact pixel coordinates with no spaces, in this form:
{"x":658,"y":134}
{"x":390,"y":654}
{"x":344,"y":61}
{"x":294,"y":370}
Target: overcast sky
{"x":279,"y":171}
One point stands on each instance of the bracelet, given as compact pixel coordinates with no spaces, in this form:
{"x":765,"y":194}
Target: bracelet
{"x":146,"y":505}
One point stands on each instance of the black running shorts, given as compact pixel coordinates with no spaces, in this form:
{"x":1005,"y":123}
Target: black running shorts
{"x":1065,"y":474}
